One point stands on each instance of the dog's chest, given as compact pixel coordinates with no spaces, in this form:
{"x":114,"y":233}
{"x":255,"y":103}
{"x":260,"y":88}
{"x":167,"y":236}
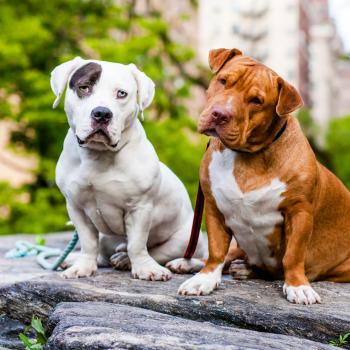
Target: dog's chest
{"x":252,"y":216}
{"x":98,"y":196}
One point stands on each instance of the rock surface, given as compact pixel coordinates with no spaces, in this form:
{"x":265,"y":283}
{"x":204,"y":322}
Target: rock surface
{"x":108,"y":326}
{"x":14,"y":270}
{"x":255,"y":304}
{"x":26,"y":290}
{"x":9,"y":330}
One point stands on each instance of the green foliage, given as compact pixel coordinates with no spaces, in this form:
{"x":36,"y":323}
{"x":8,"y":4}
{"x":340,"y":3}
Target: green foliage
{"x":35,"y":36}
{"x":311,"y":130}
{"x":40,"y":240}
{"x":36,"y":342}
{"x":335,"y":154}
{"x":342,"y":340}
{"x":176,"y":149}
{"x":338,"y":146}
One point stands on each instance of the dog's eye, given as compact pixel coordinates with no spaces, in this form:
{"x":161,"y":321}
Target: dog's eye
{"x":256,"y":101}
{"x":84,"y":89}
{"x":222,"y":81}
{"x":121,"y":94}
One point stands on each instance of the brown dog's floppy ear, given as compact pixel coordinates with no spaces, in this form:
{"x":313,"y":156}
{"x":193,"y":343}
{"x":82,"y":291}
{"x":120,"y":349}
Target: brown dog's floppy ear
{"x":218,"y":57}
{"x":289,"y":99}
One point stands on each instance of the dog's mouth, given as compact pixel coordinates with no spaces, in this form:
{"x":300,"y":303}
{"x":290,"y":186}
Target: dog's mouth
{"x":211,"y":132}
{"x":99,"y":135}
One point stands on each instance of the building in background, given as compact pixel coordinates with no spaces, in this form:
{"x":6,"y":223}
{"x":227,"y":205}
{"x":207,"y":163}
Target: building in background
{"x":342,"y":101}
{"x":297,"y":38}
{"x":325,"y":50}
{"x":180,"y":15}
{"x":274,"y":32}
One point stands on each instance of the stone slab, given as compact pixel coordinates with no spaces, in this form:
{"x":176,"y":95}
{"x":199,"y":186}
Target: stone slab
{"x":100,"y":325}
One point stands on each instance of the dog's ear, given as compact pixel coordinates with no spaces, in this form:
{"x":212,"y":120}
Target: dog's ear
{"x":289,"y":98}
{"x":218,"y":57}
{"x":60,"y":75}
{"x":145,"y":88}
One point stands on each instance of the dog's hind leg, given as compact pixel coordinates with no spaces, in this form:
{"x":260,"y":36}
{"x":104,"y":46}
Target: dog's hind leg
{"x":182,"y":265}
{"x":341,"y":273}
{"x":172,"y":251}
{"x":109,"y":245}
{"x":240,"y":270}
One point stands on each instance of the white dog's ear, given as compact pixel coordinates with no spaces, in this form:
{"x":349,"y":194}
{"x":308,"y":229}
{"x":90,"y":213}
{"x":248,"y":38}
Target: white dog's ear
{"x":145,"y":88}
{"x":60,"y":75}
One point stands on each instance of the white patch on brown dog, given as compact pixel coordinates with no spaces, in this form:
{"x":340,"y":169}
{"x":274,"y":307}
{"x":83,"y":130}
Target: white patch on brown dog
{"x":251,"y":215}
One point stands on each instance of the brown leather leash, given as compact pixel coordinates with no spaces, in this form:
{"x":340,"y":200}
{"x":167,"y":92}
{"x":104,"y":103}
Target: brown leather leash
{"x":197,"y":221}
{"x":196,"y":224}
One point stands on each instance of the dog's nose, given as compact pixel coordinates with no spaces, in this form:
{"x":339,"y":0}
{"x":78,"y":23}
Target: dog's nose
{"x":101,"y":114}
{"x":220,"y":116}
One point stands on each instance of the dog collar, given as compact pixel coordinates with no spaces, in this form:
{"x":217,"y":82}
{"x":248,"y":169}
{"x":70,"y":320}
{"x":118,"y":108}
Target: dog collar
{"x":279,"y":134}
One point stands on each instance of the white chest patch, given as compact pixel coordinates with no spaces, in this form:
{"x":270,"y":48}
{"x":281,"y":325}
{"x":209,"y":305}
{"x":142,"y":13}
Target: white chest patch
{"x":252,"y":215}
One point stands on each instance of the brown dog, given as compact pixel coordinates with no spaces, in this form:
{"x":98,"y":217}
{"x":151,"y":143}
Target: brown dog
{"x":263,"y":184}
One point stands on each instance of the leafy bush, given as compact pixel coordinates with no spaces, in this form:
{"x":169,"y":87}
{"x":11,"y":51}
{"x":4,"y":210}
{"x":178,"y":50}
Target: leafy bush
{"x":338,"y":146}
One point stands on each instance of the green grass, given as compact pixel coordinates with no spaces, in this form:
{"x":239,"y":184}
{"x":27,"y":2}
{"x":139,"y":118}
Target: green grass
{"x":342,"y":340}
{"x":39,"y":340}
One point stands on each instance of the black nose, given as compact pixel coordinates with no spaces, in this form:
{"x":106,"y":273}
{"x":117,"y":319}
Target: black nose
{"x":101,"y":114}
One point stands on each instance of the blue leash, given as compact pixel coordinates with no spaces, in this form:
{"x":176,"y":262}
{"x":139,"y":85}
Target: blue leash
{"x":42,"y":257}
{"x":43,"y":253}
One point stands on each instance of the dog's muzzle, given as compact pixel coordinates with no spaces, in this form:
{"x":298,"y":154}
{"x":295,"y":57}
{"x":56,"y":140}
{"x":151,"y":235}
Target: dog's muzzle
{"x":98,"y":135}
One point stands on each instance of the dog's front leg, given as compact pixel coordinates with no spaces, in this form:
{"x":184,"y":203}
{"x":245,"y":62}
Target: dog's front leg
{"x":298,"y":229}
{"x":219,"y":238}
{"x":143,"y":266}
{"x":86,"y":264}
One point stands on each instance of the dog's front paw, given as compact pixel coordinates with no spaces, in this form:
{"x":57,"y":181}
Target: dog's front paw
{"x":120,"y":261}
{"x":303,"y":294}
{"x":81,"y":268}
{"x":182,"y":265}
{"x":151,"y":272}
{"x":200,"y":284}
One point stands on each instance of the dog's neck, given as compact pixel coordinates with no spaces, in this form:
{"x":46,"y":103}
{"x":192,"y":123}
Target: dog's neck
{"x":283,"y":135}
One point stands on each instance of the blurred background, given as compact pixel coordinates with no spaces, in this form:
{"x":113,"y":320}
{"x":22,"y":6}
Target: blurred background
{"x":306,"y":41}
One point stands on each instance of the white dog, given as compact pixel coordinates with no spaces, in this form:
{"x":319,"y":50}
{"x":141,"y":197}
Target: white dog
{"x":114,"y":184}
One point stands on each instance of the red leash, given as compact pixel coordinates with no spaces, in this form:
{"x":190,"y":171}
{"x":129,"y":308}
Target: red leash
{"x":197,"y":221}
{"x":196,"y":224}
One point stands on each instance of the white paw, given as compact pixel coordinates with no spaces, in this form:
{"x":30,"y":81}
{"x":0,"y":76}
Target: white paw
{"x":182,"y":265}
{"x":81,"y":268}
{"x":70,"y":260}
{"x":303,"y":294}
{"x":151,"y":271}
{"x":200,"y":284}
{"x":120,"y":261}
